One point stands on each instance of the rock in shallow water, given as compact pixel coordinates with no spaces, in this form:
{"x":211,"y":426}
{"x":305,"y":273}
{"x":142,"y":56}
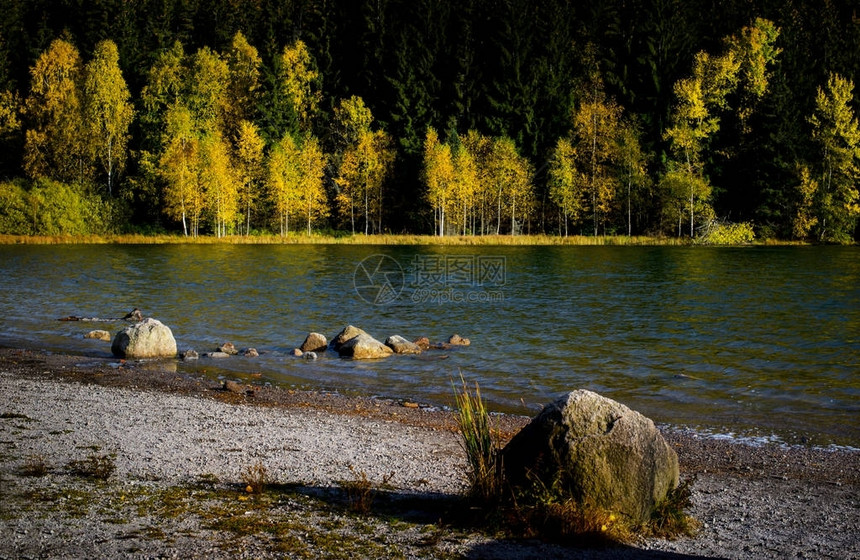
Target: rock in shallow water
{"x":314,"y":342}
{"x":149,"y":338}
{"x":402,"y":346}
{"x":349,"y":332}
{"x":228,"y":348}
{"x":364,"y":347}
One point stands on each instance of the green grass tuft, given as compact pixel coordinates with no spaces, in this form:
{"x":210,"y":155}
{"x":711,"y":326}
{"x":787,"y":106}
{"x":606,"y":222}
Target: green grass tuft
{"x":478,"y":441}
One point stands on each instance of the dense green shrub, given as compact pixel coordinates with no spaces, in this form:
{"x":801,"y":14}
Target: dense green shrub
{"x":46,"y":207}
{"x":15,"y":218}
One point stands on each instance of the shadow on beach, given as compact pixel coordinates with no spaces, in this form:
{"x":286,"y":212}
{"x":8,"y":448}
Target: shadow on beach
{"x":453,"y":514}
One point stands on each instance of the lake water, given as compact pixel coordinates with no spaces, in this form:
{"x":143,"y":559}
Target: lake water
{"x":755,"y":342}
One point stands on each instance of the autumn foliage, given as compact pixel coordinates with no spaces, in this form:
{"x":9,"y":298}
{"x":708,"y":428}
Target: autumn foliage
{"x":238,"y":142}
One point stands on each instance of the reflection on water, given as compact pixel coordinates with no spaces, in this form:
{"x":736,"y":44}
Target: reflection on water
{"x":747,"y":339}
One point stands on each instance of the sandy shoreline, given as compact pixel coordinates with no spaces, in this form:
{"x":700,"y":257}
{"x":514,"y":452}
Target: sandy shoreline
{"x":169,"y":431}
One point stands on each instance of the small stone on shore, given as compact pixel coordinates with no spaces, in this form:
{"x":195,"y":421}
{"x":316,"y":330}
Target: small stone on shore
{"x":233,"y":387}
{"x":98,"y":335}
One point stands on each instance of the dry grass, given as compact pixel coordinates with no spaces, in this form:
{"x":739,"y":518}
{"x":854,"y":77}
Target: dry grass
{"x":34,"y":465}
{"x":99,"y":467}
{"x":255,"y":478}
{"x":361,"y":491}
{"x":347,"y":239}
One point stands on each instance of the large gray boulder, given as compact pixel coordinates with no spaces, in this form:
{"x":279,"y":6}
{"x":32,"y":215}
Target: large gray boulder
{"x":149,"y":338}
{"x":596,"y":451}
{"x":364,"y":347}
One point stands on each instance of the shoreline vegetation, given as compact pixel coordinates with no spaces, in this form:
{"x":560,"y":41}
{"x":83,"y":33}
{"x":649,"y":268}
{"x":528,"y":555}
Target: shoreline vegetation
{"x":380,"y":239}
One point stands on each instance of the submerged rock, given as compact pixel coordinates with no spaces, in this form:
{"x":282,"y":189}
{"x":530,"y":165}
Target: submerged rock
{"x":596,"y":451}
{"x":228,"y":348}
{"x":216,"y":355}
{"x":249,"y":352}
{"x":422,"y":342}
{"x":149,"y":338}
{"x":190,"y":355}
{"x":457,"y":340}
{"x":296,"y":352}
{"x":310,"y":356}
{"x":402,"y":346}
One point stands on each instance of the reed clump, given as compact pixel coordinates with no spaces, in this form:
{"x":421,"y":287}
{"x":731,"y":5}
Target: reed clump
{"x":483,"y":450}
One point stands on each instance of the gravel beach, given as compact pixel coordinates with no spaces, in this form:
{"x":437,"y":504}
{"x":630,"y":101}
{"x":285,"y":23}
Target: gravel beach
{"x":181,"y":450}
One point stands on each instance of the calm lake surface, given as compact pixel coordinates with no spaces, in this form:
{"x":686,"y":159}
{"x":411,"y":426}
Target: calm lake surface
{"x":753,"y":342}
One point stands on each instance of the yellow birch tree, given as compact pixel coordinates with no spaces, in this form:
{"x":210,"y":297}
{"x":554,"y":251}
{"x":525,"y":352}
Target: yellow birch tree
{"x":249,"y":167}
{"x":10,"y":112}
{"x":465,"y":188}
{"x":56,"y":140}
{"x":836,"y":132}
{"x":243,"y":65}
{"x":299,"y":81}
{"x":284,"y":177}
{"x":219,"y":183}
{"x":365,"y":161}
{"x":595,"y":131}
{"x":631,"y":166}
{"x":478,"y":147}
{"x":207,"y":91}
{"x":438,"y":176}
{"x":179,"y":167}
{"x":566,"y":183}
{"x":509,"y":175}
{"x":108,"y":110}
{"x":311,"y":196}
